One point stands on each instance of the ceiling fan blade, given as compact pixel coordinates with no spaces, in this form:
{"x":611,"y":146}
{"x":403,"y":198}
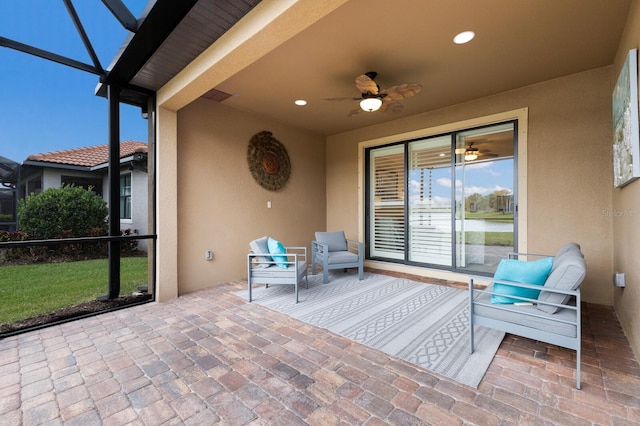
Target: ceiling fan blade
{"x":355,"y":111}
{"x":401,"y":91}
{"x":342,"y":99}
{"x":366,"y":85}
{"x":390,"y":106}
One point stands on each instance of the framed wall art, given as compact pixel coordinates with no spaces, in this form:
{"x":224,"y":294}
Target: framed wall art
{"x":626,"y":138}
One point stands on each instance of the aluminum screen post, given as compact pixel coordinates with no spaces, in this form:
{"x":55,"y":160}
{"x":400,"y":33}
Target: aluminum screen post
{"x":113,"y":96}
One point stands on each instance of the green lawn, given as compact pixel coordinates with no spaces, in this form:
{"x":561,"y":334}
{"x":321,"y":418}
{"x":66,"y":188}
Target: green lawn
{"x":489,"y":238}
{"x":29,"y":290}
{"x":491,"y":216}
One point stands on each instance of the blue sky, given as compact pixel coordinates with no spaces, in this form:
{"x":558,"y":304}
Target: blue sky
{"x":46,"y":106}
{"x":486,"y":177}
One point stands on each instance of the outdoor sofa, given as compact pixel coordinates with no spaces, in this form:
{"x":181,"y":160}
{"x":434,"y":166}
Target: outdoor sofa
{"x":553,"y":315}
{"x":269,"y":262}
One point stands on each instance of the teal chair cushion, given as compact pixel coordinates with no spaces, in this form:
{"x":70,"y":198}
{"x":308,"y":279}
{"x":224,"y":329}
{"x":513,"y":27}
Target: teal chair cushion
{"x":276,"y":248}
{"x":532,"y":272}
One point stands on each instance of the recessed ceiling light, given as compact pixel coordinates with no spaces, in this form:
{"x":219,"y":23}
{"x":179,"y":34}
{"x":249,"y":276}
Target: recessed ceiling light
{"x":300,"y":102}
{"x":464,"y":37}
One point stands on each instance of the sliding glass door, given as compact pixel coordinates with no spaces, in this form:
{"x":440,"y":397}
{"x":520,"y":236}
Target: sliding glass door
{"x":446,"y":201}
{"x":430,"y":201}
{"x":484,"y":197}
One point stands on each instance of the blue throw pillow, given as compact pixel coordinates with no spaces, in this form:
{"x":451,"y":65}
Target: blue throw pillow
{"x":533,"y":272}
{"x":276,"y":248}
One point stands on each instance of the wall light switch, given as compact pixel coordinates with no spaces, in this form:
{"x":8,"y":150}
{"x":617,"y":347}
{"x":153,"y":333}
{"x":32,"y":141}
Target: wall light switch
{"x":618,"y":279}
{"x":268,"y":204}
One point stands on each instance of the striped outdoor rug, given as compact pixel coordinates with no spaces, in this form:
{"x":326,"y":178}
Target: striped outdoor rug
{"x":424,"y":324}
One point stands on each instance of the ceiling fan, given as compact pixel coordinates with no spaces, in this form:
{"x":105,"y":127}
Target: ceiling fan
{"x":374,"y":99}
{"x":472,"y":153}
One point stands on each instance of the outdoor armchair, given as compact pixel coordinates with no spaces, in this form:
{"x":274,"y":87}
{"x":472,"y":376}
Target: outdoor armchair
{"x":269,"y":262}
{"x":533,"y":300}
{"x":332,"y":250}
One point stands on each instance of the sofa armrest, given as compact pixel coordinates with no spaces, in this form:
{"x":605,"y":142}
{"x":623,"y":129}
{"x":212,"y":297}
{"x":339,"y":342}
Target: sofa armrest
{"x":489,"y":290}
{"x":291,"y":262}
{"x":300,"y":251}
{"x":355,"y":247}
{"x":514,"y":255}
{"x":319,"y":249}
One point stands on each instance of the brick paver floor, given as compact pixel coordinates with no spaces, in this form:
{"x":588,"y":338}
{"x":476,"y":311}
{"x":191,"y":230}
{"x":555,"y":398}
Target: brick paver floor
{"x":209,"y":357}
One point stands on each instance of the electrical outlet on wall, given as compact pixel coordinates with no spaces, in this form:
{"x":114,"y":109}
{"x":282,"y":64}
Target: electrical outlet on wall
{"x":208,"y":254}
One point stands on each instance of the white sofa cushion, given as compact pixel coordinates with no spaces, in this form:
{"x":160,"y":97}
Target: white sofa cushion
{"x":260,"y":246}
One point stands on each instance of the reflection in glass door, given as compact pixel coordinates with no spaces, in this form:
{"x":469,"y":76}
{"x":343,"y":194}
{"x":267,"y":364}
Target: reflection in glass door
{"x":430,"y":201}
{"x":484,"y":197}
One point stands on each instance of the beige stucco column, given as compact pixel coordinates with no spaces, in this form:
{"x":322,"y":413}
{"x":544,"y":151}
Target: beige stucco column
{"x":167,"y":204}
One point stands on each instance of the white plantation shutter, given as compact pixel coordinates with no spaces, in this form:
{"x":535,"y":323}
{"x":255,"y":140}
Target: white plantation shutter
{"x":387,"y":203}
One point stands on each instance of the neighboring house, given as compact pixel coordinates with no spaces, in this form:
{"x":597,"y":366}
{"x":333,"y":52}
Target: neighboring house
{"x":8,"y":196}
{"x":88,"y":168}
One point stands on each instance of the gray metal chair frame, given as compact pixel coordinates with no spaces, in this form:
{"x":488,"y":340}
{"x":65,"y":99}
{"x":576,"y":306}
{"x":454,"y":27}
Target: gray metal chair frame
{"x":294,"y":273}
{"x":320,"y":255}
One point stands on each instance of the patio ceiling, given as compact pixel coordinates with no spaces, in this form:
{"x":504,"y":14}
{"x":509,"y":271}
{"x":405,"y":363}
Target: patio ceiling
{"x":406,"y":41}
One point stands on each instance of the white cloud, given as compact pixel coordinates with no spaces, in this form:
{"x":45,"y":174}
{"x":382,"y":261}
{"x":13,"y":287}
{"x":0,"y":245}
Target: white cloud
{"x":475,"y":166}
{"x":446,"y":182}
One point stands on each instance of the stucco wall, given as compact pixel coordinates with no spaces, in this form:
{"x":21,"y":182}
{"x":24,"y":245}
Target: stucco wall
{"x":626,"y":216}
{"x":222,"y":208}
{"x":569,"y":172}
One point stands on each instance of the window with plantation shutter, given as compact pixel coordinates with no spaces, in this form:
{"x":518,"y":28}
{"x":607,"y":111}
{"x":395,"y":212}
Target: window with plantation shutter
{"x":446,"y":201}
{"x":387,"y":203}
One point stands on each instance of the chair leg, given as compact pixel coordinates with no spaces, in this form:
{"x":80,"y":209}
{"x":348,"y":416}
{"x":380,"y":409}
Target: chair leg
{"x":249,"y":284}
{"x":578,"y":368}
{"x":325,"y":275}
{"x":470,"y":338}
{"x":296,"y":284}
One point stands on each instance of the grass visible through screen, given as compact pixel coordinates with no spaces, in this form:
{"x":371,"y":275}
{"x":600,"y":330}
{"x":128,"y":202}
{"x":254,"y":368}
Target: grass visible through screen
{"x":29,"y":290}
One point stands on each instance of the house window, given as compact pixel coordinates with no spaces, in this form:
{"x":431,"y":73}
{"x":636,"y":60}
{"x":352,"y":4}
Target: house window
{"x":125,"y":196}
{"x":90,"y":184}
{"x":444,"y":201}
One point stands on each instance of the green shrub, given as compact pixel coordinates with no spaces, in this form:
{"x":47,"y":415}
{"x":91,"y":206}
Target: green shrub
{"x":69,"y":211}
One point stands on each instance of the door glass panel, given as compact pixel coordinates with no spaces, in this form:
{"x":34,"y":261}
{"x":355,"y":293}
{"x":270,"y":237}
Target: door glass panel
{"x":430,"y":201}
{"x":387,"y":203}
{"x":484,"y":197}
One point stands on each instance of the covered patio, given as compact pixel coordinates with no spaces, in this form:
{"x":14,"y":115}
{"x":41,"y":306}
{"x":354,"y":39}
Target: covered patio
{"x":203,"y":355}
{"x":210,"y":357}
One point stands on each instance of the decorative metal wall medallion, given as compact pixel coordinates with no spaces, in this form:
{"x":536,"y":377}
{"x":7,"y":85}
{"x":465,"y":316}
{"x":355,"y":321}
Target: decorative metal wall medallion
{"x":268,"y":161}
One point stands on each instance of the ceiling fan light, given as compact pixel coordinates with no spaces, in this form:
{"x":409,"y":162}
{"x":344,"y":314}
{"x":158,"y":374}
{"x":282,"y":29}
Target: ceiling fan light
{"x":470,"y":154}
{"x":370,"y":104}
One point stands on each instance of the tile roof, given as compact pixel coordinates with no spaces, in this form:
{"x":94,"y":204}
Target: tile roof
{"x":89,"y":156}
